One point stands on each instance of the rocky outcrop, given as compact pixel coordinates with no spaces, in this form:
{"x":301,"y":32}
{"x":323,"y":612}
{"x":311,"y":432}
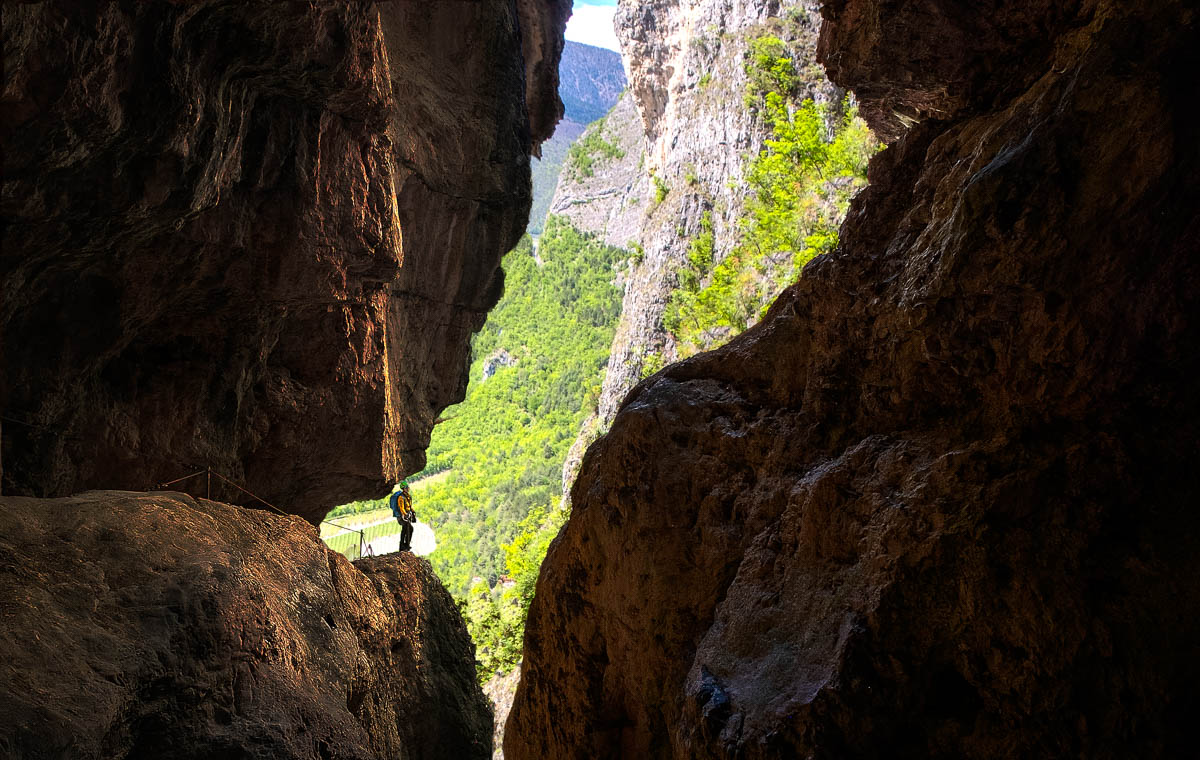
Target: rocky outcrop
{"x":494,"y":361}
{"x":686,"y":137}
{"x":256,"y":237}
{"x":939,"y":503}
{"x":157,"y":625}
{"x":500,"y":690}
{"x":610,"y":200}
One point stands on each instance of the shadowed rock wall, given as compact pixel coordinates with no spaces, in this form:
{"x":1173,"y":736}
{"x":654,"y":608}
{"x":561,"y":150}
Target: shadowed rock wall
{"x":156,"y":625}
{"x":256,"y":237}
{"x":940,"y":502}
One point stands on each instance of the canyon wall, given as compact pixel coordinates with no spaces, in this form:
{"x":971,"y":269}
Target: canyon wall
{"x":256,"y":237}
{"x":162,"y":626}
{"x":686,"y":137}
{"x":940,"y":501}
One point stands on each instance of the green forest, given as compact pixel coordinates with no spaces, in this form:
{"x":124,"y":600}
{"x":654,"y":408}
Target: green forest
{"x":500,"y":452}
{"x":505,"y":444}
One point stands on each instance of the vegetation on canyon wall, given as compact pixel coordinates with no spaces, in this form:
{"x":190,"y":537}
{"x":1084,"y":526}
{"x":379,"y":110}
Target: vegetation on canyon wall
{"x":801,"y":183}
{"x":591,"y":149}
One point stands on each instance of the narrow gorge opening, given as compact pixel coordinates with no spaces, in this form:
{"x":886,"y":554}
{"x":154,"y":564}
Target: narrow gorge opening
{"x":902,"y":484}
{"x":654,"y":234}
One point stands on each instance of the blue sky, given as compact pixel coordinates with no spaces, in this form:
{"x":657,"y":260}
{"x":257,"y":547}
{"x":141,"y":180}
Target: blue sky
{"x":591,"y":22}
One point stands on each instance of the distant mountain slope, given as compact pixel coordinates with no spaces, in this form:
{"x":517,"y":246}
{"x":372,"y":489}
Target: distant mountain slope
{"x":590,"y":81}
{"x":546,"y":170}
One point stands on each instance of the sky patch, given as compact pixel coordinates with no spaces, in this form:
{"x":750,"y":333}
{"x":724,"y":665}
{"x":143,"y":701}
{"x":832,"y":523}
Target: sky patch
{"x":591,"y":23}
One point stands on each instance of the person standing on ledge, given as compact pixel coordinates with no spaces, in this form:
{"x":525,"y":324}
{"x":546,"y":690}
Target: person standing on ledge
{"x":401,"y":504}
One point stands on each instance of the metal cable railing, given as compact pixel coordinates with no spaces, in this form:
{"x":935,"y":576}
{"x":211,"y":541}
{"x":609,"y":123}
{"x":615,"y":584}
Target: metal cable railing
{"x":209,"y":473}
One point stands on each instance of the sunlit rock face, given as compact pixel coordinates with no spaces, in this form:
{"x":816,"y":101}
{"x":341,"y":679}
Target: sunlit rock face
{"x":256,"y":237}
{"x":687,"y":138}
{"x":156,"y":625}
{"x":941,"y":501}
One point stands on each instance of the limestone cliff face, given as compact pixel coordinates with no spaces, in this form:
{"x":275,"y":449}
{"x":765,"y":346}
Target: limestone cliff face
{"x":156,"y":625}
{"x":590,"y":81}
{"x":684,"y":130}
{"x":256,"y":237}
{"x":611,"y":201}
{"x":940,"y":502}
